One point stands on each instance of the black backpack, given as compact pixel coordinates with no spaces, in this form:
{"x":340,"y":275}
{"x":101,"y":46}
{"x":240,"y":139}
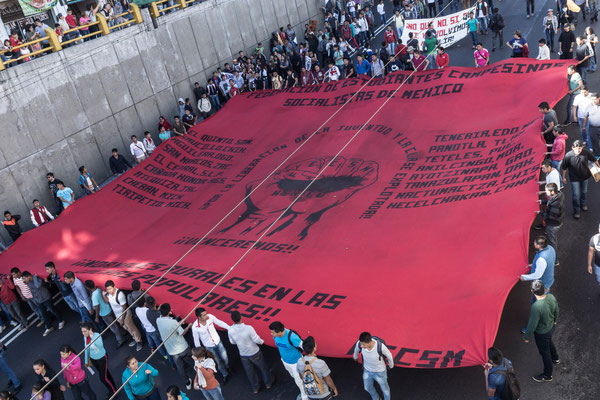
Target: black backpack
{"x":125,"y":293}
{"x":512,"y":388}
{"x":380,"y":343}
{"x":290,"y":339}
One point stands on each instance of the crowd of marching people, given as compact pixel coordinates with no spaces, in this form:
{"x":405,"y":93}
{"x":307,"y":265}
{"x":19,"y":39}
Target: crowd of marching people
{"x":132,"y":315}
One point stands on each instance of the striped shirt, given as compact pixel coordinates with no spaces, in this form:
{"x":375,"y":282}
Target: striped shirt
{"x":24,"y":287}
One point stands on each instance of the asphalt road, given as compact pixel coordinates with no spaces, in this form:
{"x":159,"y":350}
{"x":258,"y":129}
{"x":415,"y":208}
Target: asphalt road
{"x":576,"y":291}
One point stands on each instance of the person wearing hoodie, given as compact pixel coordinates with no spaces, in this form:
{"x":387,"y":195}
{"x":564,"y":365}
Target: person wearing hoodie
{"x":11,"y":224}
{"x":558,"y":146}
{"x":181,"y":104}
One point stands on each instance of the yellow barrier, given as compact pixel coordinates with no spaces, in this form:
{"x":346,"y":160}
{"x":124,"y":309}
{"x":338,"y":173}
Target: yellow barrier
{"x":54,"y":44}
{"x":155,"y":12}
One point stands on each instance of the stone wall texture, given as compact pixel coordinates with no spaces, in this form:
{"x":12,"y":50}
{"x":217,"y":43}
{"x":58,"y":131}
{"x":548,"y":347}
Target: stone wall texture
{"x":72,"y":107}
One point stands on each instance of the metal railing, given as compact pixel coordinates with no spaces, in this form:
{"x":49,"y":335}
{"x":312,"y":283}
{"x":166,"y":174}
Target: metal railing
{"x":156,"y":12}
{"x":53,"y":44}
{"x":102,"y":26}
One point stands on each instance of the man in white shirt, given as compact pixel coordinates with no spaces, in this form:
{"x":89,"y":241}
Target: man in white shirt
{"x":580,"y":105}
{"x":247,"y":341}
{"x":552,"y":175}
{"x":377,"y":67}
{"x":332,"y":74}
{"x":381,"y":12}
{"x":176,"y":345}
{"x":543,"y":50}
{"x":398,"y":22}
{"x":138,"y":151}
{"x":205,"y":334}
{"x":152,"y":335}
{"x":374,"y":355}
{"x":118,"y":303}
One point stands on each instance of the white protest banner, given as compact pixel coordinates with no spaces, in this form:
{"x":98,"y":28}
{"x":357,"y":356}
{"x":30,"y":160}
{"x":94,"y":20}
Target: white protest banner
{"x":449,"y":28}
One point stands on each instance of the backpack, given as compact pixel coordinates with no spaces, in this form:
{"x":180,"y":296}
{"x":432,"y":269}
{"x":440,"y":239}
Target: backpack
{"x":125,"y":293}
{"x":512,"y":388}
{"x":290,"y":339}
{"x":313,"y":386}
{"x":380,"y":343}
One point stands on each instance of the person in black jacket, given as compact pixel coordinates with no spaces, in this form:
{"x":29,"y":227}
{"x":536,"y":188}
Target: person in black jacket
{"x":554,"y":215}
{"x":576,"y":162}
{"x":45,"y":374}
{"x":118,"y":163}
{"x":11,"y":224}
{"x":496,"y":26}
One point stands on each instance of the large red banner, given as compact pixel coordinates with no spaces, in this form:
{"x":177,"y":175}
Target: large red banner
{"x":416,"y":232}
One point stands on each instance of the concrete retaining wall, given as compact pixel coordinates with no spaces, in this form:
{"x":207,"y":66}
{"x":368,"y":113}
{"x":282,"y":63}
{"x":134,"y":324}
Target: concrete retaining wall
{"x":71,"y":108}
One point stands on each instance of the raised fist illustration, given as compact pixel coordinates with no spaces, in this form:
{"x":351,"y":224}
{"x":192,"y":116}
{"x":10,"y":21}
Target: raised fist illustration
{"x":338,"y":182}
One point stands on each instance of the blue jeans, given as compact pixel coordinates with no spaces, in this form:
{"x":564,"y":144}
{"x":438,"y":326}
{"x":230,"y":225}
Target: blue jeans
{"x":221,"y":357}
{"x":547,"y":350}
{"x":369,"y":378}
{"x":579,"y":193}
{"x":391,"y":47}
{"x":46,"y":307}
{"x":550,"y":38}
{"x":213,"y":394}
{"x":362,"y":37}
{"x":585,"y":136}
{"x":253,"y":363}
{"x":5,"y":369}
{"x":583,"y":72}
{"x":474,"y":37}
{"x":399,"y":33}
{"x":154,"y":341}
{"x":71,"y":302}
{"x":85,"y":316}
{"x":382,"y":19}
{"x":597,"y":273}
{"x":8,"y":317}
{"x":214,"y":99}
{"x":483,"y":23}
{"x":432,"y":64}
{"x":454,"y":6}
{"x":35,"y":308}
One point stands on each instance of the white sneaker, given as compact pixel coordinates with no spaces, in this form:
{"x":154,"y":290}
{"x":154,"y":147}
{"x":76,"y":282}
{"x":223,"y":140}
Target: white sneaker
{"x":61,"y":325}
{"x":13,"y":323}
{"x":188,"y":385}
{"x":47,"y":331}
{"x":2,"y":328}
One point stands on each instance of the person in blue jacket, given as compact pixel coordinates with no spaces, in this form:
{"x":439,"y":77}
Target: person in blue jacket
{"x":362,"y":66}
{"x":95,"y":355}
{"x":141,"y":385}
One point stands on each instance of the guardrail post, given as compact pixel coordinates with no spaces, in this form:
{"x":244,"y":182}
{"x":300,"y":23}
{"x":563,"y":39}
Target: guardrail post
{"x":182,"y":4}
{"x":102,"y":24}
{"x":53,"y":40}
{"x":2,"y":67}
{"x":136,"y":15}
{"x":154,"y":13}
